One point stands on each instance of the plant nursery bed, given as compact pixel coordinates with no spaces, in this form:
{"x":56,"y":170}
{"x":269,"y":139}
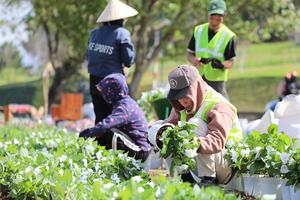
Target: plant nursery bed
{"x":260,"y":186}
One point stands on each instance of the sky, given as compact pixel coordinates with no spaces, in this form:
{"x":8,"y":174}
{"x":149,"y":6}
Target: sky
{"x":13,"y":29}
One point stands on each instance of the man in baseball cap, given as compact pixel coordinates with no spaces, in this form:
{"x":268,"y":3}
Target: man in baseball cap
{"x":190,"y":96}
{"x":212,"y":48}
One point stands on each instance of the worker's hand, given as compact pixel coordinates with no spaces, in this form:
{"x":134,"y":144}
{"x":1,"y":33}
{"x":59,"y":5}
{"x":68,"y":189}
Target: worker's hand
{"x":216,"y":63}
{"x":126,"y":71}
{"x":152,"y":123}
{"x":196,"y":62}
{"x":205,"y":60}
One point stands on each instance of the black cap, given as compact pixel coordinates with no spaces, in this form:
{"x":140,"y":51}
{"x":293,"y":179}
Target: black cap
{"x":180,"y":79}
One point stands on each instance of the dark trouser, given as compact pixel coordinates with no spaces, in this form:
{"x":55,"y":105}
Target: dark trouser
{"x":101,"y":108}
{"x":219,"y":86}
{"x":106,"y":140}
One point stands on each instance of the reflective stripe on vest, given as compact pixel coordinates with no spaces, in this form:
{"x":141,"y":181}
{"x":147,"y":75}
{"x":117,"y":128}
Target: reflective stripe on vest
{"x":215,"y":48}
{"x":210,"y":100}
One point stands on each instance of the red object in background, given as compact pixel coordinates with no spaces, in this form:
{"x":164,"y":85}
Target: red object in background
{"x":70,"y":107}
{"x":20,"y":108}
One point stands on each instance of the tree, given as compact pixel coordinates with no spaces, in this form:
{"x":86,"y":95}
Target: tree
{"x":160,"y":25}
{"x":66,"y":24}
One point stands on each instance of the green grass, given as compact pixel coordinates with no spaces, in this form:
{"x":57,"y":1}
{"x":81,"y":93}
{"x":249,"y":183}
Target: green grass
{"x":252,"y":94}
{"x":10,"y":75}
{"x":255,"y":76}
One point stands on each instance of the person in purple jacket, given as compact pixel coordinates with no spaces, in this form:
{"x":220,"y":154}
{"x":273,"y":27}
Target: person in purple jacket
{"x":126,"y":117}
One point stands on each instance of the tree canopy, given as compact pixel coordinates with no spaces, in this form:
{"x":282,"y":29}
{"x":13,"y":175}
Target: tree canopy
{"x":161,"y":26}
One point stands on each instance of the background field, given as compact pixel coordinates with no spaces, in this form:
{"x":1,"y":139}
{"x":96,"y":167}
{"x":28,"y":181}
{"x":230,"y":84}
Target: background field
{"x":253,"y":81}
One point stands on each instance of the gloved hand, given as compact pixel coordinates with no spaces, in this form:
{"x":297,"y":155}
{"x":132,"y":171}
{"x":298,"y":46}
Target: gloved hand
{"x":216,"y":63}
{"x":205,"y":60}
{"x":86,"y":133}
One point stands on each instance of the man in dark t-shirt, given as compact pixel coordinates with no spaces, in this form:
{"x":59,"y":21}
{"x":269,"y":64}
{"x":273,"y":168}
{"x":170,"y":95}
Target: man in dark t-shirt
{"x":212,"y":48}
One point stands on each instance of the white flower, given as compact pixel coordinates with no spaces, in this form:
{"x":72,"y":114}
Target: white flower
{"x":83,"y":179}
{"x":28,"y":169}
{"x":180,"y":123}
{"x":230,"y":143}
{"x":89,"y":149}
{"x":191,"y":153}
{"x":137,"y":179}
{"x":122,"y":156}
{"x":284,"y":169}
{"x":151,"y":184}
{"x":1,"y":145}
{"x":182,"y":167}
{"x":291,"y":161}
{"x":99,"y":154}
{"x":63,"y":158}
{"x":26,"y":143}
{"x":273,"y":164}
{"x":70,"y":161}
{"x":115,"y":178}
{"x":52,"y":144}
{"x":18,"y":179}
{"x":185,"y":141}
{"x":284,"y":157}
{"x":270,"y":150}
{"x":245,"y":152}
{"x":141,"y":189}
{"x":40,"y":135}
{"x":16,"y":141}
{"x":84,"y":162}
{"x":45,"y":150}
{"x":45,"y":181}
{"x":37,"y":171}
{"x":97,"y":167}
{"x":256,"y":150}
{"x":158,"y":192}
{"x":107,"y":186}
{"x":61,"y":172}
{"x":115,"y":195}
{"x":65,"y":130}
{"x":234,"y":155}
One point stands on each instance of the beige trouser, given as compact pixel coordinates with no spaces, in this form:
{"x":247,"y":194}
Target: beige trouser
{"x":213,"y":165}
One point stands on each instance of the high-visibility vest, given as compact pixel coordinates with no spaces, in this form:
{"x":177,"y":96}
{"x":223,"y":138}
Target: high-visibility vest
{"x":210,"y":100}
{"x":215,"y":48}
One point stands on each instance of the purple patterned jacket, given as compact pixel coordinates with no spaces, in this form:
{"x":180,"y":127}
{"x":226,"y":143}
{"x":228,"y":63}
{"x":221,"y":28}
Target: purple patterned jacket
{"x":126,"y":116}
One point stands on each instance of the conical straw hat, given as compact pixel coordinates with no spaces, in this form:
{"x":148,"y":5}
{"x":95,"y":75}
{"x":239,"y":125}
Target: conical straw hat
{"x":114,"y":10}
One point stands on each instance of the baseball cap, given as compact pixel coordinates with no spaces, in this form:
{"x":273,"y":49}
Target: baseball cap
{"x":180,"y":79}
{"x":217,"y":7}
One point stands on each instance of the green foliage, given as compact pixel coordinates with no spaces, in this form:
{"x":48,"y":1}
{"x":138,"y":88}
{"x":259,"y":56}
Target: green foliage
{"x":68,"y":23}
{"x":180,"y":144}
{"x":270,"y":21}
{"x":15,"y":93}
{"x":270,"y":153}
{"x":146,"y":100}
{"x":48,"y":163}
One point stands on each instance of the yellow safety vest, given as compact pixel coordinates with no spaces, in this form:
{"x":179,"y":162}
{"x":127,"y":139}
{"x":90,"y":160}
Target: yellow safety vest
{"x":215,"y":48}
{"x":210,"y":100}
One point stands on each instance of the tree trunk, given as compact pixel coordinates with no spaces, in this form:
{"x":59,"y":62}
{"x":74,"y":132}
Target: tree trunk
{"x":136,"y":79}
{"x":61,"y":76}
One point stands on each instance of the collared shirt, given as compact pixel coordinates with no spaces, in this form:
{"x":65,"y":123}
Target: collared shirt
{"x":109,"y":49}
